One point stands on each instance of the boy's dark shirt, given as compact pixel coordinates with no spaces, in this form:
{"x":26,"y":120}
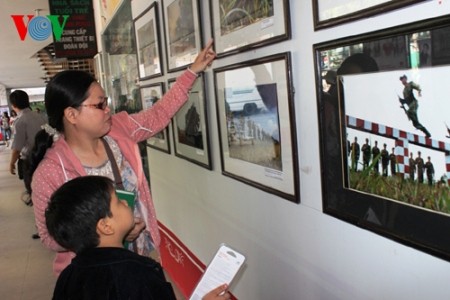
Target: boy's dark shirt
{"x":112,"y":273}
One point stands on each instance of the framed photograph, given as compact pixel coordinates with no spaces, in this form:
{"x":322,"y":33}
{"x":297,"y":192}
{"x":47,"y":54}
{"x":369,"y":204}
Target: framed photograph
{"x":384,"y":135}
{"x":244,"y":25}
{"x":150,"y":94}
{"x":255,"y":112}
{"x":147,"y":43}
{"x":182,"y":31}
{"x":190,"y":127}
{"x":440,"y":52}
{"x":329,"y":13}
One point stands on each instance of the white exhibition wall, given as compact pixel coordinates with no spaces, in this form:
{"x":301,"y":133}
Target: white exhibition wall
{"x":294,"y":251}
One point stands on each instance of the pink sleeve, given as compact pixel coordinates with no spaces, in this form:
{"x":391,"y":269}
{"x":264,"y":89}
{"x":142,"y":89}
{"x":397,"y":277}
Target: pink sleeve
{"x":151,"y":121}
{"x":45,"y":182}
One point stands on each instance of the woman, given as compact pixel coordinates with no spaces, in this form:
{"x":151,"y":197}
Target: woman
{"x":12,"y":120}
{"x":81,"y":131}
{"x":6,"y":128}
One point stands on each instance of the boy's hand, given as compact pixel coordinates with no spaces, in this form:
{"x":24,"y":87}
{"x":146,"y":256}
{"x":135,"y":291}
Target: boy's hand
{"x":139,"y":225}
{"x":219,"y":293}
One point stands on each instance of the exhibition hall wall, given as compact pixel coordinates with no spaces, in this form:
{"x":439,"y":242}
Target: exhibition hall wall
{"x":294,"y":250}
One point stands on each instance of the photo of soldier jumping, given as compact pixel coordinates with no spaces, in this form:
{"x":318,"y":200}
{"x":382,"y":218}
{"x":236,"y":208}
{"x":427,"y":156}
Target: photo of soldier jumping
{"x":413,"y":105}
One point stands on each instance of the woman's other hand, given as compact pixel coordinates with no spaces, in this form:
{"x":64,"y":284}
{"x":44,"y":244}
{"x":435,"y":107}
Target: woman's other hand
{"x":139,"y":225}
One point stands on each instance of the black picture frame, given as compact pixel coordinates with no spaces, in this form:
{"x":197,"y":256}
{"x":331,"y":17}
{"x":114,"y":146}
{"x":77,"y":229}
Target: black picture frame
{"x":148,"y":45}
{"x":150,"y":94}
{"x":182,"y":31}
{"x":396,"y":206}
{"x":256,"y":121}
{"x":341,"y":13}
{"x":249,"y":30}
{"x":190,"y":127}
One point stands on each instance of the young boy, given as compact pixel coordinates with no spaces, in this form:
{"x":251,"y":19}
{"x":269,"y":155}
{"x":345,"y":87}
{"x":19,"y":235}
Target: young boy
{"x":85,"y":216}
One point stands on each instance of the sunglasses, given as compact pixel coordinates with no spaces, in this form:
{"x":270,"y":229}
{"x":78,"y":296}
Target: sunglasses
{"x":102,"y":105}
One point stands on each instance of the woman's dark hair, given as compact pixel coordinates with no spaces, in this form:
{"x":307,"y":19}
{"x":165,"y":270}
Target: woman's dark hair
{"x":66,"y":89}
{"x":42,"y":141}
{"x":75,"y":209}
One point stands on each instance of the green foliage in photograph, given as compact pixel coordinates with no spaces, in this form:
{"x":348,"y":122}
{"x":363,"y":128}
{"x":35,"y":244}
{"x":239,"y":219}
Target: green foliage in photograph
{"x":235,"y":14}
{"x":435,"y":197}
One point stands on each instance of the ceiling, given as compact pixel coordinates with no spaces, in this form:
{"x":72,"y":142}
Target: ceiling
{"x":19,"y":67}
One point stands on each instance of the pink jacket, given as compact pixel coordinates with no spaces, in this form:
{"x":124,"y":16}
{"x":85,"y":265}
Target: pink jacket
{"x":60,"y":164}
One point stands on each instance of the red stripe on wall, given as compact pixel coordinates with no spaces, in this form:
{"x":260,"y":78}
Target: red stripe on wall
{"x":181,"y":264}
{"x":183,"y":267}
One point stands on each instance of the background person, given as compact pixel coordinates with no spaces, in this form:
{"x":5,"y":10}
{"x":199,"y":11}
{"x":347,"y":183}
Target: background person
{"x":393,"y":162}
{"x":376,"y":157}
{"x":26,"y":126}
{"x":420,"y":167}
{"x":6,"y":128}
{"x":84,"y":139}
{"x":367,"y":153}
{"x":412,"y":167}
{"x":12,"y":121}
{"x":355,"y":152}
{"x":430,"y":171}
{"x":384,"y":160}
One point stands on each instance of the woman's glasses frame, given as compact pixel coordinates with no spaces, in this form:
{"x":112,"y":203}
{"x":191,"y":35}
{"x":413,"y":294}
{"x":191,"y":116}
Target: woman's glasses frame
{"x":102,"y":105}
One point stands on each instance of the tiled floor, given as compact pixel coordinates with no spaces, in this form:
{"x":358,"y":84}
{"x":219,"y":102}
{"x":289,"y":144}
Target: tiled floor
{"x":25,"y":264}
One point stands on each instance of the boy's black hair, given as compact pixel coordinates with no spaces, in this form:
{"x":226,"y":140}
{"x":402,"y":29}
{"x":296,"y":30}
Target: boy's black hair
{"x":75,"y":209}
{"x":19,"y":99}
